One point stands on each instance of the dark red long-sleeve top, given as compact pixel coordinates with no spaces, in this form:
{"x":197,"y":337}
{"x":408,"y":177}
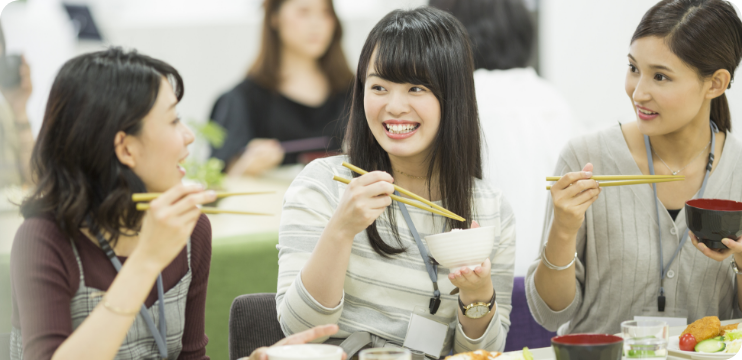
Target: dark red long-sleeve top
{"x":45,"y":277}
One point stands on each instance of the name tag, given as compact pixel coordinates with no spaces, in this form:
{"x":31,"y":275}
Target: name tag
{"x":425,"y":335}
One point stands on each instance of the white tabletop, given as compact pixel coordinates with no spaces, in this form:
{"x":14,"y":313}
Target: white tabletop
{"x":548,"y":353}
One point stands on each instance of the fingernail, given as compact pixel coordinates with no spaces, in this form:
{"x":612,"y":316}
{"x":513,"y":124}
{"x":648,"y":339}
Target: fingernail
{"x":725,"y":241}
{"x":588,"y":174}
{"x":211,"y":194}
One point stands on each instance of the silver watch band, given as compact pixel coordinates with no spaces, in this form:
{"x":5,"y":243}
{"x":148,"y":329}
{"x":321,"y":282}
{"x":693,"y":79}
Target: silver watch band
{"x":554,"y":267}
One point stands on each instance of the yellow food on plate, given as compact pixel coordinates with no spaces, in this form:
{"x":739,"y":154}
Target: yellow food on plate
{"x":475,"y":355}
{"x":724,"y":329}
{"x":705,"y":328}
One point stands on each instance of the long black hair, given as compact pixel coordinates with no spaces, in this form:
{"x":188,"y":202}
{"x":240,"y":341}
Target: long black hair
{"x":428,"y":47}
{"x":501,"y":31}
{"x":78,"y":175}
{"x":705,"y":34}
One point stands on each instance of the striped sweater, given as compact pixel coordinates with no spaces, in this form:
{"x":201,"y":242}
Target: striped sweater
{"x":381,"y":293}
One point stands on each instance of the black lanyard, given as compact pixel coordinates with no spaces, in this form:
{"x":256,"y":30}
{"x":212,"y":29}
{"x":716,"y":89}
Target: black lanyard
{"x":663,"y":268}
{"x":432,"y":268}
{"x":160,"y":335}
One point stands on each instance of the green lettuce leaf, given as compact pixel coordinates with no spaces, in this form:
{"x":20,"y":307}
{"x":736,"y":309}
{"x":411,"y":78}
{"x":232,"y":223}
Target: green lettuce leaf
{"x":733,"y":335}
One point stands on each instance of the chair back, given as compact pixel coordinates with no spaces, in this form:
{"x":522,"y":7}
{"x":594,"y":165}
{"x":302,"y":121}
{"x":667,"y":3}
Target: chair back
{"x":524,"y":330}
{"x":253,"y":323}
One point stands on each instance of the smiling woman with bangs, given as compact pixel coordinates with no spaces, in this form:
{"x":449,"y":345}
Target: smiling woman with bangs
{"x":346,"y":253}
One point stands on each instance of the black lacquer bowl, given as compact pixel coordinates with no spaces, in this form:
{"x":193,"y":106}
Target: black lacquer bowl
{"x":714,"y":219}
{"x":587,"y":346}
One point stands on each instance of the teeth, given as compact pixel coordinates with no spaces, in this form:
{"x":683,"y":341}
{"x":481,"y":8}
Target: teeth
{"x":400,"y":128}
{"x":646,"y":112}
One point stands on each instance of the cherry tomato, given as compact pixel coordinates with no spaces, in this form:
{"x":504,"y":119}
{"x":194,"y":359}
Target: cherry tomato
{"x":688,"y":342}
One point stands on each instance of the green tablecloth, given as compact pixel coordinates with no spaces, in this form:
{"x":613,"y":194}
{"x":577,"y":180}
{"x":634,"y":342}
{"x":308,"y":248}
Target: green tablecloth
{"x":239,"y":265}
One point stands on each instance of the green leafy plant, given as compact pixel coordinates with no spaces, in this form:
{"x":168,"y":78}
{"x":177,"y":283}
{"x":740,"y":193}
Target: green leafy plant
{"x":209,"y":172}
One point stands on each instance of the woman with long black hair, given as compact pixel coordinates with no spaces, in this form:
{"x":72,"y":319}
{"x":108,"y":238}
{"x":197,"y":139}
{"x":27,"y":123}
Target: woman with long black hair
{"x":347,"y":254}
{"x":610,"y":255}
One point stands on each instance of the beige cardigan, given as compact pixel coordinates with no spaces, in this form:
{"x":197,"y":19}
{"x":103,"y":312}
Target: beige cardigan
{"x":617,"y":270}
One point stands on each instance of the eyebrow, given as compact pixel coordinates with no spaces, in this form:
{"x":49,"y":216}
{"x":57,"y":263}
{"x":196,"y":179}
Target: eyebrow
{"x":375,"y":75}
{"x":653,"y":66}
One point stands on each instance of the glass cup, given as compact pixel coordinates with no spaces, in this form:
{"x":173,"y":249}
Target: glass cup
{"x":385,"y":354}
{"x":645,"y":339}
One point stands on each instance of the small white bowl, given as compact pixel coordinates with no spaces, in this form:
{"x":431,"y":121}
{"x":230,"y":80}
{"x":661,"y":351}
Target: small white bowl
{"x":305,"y":351}
{"x":456,"y":249}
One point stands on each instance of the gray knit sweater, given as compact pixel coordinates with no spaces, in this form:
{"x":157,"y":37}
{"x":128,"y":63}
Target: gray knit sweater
{"x":617,"y":270}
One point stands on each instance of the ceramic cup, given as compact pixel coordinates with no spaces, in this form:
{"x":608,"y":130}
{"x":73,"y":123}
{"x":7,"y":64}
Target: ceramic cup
{"x":587,"y":346}
{"x":305,"y":351}
{"x":714,"y":219}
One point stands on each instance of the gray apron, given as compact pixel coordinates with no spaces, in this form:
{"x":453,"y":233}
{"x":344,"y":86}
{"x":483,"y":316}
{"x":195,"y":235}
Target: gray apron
{"x":139,"y":342}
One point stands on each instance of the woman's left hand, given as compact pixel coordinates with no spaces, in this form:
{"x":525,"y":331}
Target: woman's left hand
{"x":298,"y":338}
{"x":734,"y":248}
{"x":474,"y":284}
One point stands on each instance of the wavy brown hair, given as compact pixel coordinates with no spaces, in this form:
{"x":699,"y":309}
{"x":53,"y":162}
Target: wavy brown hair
{"x":78,"y":176}
{"x":265,"y":70}
{"x":705,"y":34}
{"x":428,"y":47}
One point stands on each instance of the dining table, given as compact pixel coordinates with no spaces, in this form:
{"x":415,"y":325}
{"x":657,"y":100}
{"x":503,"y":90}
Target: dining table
{"x":547,"y":353}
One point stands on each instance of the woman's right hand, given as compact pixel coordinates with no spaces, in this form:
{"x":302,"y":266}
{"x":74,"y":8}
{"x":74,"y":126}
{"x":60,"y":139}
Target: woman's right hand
{"x":259,"y":156}
{"x":364,"y":200}
{"x":572,"y":195}
{"x":169,"y":223}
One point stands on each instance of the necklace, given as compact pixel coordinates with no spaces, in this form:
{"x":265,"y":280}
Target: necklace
{"x":412,"y":176}
{"x":689,"y":162}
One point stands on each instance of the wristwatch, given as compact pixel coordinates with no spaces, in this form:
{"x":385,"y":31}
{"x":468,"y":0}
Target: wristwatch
{"x":734,"y":267}
{"x":479,"y":309}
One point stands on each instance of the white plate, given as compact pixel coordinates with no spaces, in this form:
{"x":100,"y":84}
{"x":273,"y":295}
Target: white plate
{"x":673,"y":348}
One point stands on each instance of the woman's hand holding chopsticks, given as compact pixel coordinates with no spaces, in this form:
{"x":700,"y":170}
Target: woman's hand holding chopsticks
{"x":572,"y":195}
{"x":169,"y":223}
{"x":364,"y":200}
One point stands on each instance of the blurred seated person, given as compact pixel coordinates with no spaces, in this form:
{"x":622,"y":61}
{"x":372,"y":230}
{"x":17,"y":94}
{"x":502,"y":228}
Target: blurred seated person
{"x":16,"y":138}
{"x":512,"y":99}
{"x":295,"y":90}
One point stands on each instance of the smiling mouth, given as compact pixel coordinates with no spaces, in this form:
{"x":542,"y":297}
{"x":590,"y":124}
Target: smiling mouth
{"x":646,"y":112}
{"x":401,"y":128}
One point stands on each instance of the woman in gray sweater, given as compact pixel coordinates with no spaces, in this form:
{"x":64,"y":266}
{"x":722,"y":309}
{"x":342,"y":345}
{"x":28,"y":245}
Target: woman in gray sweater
{"x":611,"y":254}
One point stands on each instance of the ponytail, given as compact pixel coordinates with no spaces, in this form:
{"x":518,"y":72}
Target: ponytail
{"x":720,"y":113}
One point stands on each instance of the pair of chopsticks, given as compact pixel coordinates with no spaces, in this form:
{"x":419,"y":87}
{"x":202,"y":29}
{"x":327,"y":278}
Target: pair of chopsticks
{"x":620,"y":180}
{"x":142,"y":205}
{"x":435,"y":209}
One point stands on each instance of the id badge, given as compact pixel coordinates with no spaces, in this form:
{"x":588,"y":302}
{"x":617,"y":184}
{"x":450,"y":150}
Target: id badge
{"x":672,"y":316}
{"x":426,"y":333}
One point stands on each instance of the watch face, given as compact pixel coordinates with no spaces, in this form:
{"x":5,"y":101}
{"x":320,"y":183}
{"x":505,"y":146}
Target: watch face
{"x":477,"y":311}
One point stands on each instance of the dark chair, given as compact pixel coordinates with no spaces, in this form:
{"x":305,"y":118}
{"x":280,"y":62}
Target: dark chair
{"x":5,"y":346}
{"x":524,"y":330}
{"x":253,"y":323}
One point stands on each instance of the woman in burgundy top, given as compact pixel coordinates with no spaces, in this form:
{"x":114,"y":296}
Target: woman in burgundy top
{"x":110,"y":130}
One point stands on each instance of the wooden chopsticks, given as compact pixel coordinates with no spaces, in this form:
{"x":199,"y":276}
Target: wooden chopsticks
{"x":620,"y":180}
{"x":435,"y":209}
{"x":142,"y":198}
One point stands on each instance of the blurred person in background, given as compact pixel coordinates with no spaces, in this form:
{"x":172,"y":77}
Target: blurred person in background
{"x":296,"y":89}
{"x":16,"y":138}
{"x":520,"y":112}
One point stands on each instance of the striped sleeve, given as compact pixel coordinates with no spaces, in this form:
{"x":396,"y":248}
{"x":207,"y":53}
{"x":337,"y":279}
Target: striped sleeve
{"x":503,"y":261}
{"x":307,"y":208}
{"x":542,"y":313}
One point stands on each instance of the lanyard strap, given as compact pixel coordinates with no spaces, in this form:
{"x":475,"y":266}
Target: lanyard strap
{"x":160,"y":335}
{"x":664,"y":268}
{"x":432,"y":268}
